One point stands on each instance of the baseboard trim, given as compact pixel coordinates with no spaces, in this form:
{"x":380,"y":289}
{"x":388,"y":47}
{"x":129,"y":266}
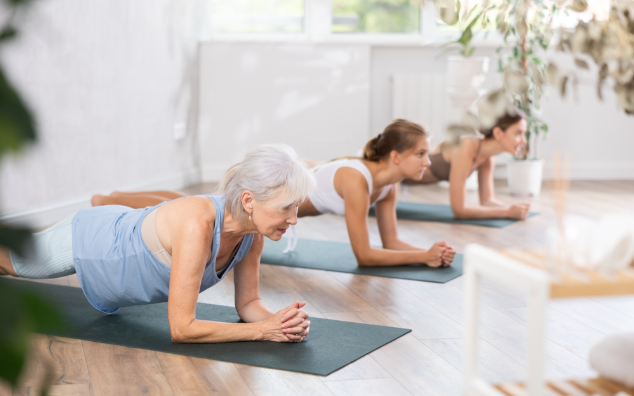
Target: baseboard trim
{"x":50,"y":214}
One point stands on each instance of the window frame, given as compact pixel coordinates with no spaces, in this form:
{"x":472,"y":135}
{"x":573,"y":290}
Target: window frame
{"x":318,"y":29}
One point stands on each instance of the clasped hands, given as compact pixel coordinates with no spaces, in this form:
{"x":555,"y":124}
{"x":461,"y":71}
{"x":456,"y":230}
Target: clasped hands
{"x":290,"y":324}
{"x":441,"y":254}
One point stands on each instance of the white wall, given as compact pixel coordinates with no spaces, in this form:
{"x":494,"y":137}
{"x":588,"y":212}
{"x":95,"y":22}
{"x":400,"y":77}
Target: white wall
{"x":314,"y":97}
{"x":107,"y":81}
{"x":597,"y":135}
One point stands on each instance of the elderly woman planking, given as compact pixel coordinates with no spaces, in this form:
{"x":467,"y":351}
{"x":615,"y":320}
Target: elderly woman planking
{"x":348,"y":187}
{"x":175,"y":250}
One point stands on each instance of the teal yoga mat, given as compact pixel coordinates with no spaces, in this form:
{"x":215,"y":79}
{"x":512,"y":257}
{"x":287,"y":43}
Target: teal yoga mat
{"x":338,"y":257}
{"x":443,"y":214}
{"x":331,"y":344}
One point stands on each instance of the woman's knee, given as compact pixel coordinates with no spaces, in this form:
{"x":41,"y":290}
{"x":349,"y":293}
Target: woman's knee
{"x":6,"y":268}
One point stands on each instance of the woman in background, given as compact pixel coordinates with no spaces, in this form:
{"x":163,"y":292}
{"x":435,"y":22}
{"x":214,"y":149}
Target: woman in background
{"x":455,"y":163}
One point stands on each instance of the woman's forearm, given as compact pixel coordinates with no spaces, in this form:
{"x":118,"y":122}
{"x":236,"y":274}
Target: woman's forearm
{"x":481,"y":212}
{"x":492,"y":203}
{"x":204,"y":331}
{"x":254,"y":311}
{"x":397,"y":244}
{"x":375,"y":257}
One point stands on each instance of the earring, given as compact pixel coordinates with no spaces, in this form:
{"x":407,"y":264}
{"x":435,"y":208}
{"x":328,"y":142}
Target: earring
{"x":249,"y":217}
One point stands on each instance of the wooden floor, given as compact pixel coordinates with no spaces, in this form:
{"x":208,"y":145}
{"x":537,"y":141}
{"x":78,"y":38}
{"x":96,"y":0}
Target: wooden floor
{"x":425,"y":362}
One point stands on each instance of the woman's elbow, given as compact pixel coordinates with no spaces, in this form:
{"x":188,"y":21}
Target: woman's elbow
{"x":459,"y":213}
{"x":178,"y":338}
{"x":365,"y":260}
{"x":178,"y":334}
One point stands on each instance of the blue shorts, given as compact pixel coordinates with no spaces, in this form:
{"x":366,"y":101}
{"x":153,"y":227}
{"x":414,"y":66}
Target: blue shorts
{"x":51,"y":255}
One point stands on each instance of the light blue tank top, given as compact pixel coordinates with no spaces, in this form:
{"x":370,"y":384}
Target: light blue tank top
{"x":116,"y":269}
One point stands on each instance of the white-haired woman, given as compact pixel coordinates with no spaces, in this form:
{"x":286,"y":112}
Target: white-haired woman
{"x":175,"y":250}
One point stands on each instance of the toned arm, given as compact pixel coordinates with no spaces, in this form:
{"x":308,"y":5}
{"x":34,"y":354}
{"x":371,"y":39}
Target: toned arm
{"x":357,"y":203}
{"x":190,"y":224}
{"x":486,"y":189}
{"x":461,"y":162}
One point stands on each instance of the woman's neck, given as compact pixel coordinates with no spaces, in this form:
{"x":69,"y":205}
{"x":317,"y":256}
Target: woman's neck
{"x":383,"y":174}
{"x":233,"y":228}
{"x":489,"y":148}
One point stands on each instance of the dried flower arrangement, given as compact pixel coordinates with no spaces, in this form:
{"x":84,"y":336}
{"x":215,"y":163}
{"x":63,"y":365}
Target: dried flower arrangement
{"x":610,"y":44}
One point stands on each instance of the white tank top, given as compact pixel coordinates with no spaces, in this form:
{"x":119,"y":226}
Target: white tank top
{"x":325,"y":197}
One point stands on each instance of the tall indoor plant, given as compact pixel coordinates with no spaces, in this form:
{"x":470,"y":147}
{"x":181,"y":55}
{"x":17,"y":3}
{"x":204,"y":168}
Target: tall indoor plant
{"x":527,"y":31}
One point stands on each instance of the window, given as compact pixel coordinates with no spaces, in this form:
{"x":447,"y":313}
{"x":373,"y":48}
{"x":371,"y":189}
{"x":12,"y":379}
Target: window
{"x":375,"y":16}
{"x":257,"y":16}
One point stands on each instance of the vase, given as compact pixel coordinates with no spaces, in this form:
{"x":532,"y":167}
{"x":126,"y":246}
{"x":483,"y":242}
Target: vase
{"x":525,"y":177}
{"x":465,"y":77}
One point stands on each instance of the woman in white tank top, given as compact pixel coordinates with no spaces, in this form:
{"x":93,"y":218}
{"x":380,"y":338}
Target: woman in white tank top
{"x":348,"y":188}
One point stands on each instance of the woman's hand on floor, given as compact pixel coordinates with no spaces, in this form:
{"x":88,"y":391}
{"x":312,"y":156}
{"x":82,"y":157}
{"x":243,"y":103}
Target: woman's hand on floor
{"x":448,"y":256}
{"x":290,"y":324}
{"x":439,"y":255}
{"x":519,"y":211}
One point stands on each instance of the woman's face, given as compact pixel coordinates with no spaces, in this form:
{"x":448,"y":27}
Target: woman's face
{"x":514,"y":138}
{"x":272,"y":221}
{"x":415,"y":161}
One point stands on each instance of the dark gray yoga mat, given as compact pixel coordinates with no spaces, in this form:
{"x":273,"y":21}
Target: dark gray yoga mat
{"x":338,"y":257}
{"x":331,"y":344}
{"x":443,"y":214}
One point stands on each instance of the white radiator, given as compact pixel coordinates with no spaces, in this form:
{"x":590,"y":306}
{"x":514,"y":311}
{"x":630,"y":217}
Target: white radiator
{"x":422,"y":98}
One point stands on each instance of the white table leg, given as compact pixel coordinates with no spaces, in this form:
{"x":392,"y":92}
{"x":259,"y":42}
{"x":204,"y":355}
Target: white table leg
{"x":472,"y":306}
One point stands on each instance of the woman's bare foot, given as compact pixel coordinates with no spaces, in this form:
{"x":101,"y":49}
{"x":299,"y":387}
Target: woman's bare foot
{"x":98,"y":200}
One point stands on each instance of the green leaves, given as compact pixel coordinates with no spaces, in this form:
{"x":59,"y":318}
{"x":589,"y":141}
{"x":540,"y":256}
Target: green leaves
{"x":22,"y":311}
{"x":8,"y":33}
{"x":16,"y":122}
{"x":16,"y":239}
{"x":468,"y":17}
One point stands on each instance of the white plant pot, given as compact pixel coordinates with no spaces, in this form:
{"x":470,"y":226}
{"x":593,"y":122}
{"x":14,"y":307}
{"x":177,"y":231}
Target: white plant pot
{"x":525,"y":177}
{"x":465,"y":77}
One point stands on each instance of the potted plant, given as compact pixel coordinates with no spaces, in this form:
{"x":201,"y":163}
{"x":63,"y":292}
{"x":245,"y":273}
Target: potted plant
{"x":465,"y":74}
{"x":526,"y":26}
{"x":524,"y":71}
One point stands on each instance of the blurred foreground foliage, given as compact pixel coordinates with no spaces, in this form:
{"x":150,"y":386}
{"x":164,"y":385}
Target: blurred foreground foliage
{"x":22,"y":311}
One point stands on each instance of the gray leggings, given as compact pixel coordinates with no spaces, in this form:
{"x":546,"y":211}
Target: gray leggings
{"x":53,"y":255}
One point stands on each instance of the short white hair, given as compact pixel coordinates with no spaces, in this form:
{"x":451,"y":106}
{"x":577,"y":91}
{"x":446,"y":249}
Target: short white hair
{"x":266,"y":171}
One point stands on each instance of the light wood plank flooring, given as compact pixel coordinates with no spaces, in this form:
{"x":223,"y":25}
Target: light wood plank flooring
{"x":424,"y":362}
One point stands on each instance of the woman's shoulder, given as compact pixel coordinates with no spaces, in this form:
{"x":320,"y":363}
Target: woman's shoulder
{"x":196,"y":209}
{"x":353,"y":177}
{"x":356,"y":168}
{"x":468,"y":145}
